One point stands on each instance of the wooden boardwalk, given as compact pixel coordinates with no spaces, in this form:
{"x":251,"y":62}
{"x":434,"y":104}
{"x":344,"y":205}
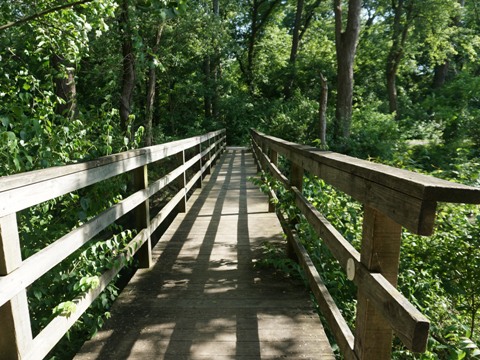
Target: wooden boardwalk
{"x":204,"y":298}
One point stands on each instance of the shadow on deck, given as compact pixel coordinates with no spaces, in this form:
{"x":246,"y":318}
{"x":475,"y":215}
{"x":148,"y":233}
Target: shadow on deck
{"x":204,"y":298}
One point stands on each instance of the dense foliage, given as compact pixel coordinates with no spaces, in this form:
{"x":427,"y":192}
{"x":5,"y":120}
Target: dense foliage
{"x":83,"y":79}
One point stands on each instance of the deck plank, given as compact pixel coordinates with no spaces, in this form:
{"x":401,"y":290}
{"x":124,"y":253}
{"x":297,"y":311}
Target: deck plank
{"x":204,"y":298}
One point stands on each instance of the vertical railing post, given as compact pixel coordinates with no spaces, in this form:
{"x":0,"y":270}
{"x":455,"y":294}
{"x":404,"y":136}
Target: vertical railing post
{"x":273,"y":155}
{"x":142,"y":217}
{"x":15,"y":329}
{"x":198,"y":166}
{"x":182,"y":183}
{"x":214,"y":150}
{"x":256,"y":148}
{"x":208,"y":170}
{"x":380,"y":253}
{"x":296,"y":179}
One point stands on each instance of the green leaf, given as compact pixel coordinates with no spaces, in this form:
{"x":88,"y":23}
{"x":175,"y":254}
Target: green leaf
{"x":5,"y":121}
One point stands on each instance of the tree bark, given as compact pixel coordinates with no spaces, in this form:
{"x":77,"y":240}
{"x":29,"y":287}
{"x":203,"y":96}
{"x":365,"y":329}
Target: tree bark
{"x":215,"y":67}
{"x":152,"y":81}
{"x":128,"y":76}
{"x":441,"y":70}
{"x":207,"y":86}
{"x":65,"y":87}
{"x":401,"y":27}
{"x":259,"y":20}
{"x":294,"y":50}
{"x":322,"y":112}
{"x":440,"y":75}
{"x":346,"y":47}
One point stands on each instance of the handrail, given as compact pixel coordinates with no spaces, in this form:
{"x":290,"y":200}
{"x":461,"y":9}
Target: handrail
{"x":18,"y":192}
{"x":392,"y":199}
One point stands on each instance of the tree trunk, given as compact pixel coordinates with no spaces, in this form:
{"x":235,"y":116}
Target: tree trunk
{"x":322,"y":112}
{"x":128,"y":76}
{"x":395,"y":55}
{"x":152,"y":81}
{"x":346,"y":47}
{"x":251,"y":47}
{"x":441,"y":71}
{"x":207,"y":85}
{"x":215,"y":67}
{"x":391,"y":74}
{"x":440,"y":75}
{"x":261,"y":11}
{"x":65,"y":87}
{"x":291,"y":74}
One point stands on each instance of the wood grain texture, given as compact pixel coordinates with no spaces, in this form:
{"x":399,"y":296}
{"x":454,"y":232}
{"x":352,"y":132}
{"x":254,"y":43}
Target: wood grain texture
{"x":380,"y":253}
{"x":15,"y":329}
{"x":205,"y":297}
{"x":408,"y":198}
{"x":21,"y":191}
{"x":337,"y":324}
{"x":407,"y":322}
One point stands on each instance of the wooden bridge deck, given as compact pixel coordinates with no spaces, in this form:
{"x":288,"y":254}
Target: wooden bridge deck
{"x":204,"y":298}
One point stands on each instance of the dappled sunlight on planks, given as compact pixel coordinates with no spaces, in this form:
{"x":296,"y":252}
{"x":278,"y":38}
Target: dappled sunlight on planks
{"x":204,"y":298}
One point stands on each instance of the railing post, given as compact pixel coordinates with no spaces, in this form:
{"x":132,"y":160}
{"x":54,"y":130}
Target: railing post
{"x":380,"y":253}
{"x":182,"y":183}
{"x":208,"y":170}
{"x":296,"y":179}
{"x":215,"y":148}
{"x":198,"y":166}
{"x":15,"y":329}
{"x":142,"y":217}
{"x":273,"y":155}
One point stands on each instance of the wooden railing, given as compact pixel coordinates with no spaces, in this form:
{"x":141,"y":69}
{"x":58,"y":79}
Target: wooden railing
{"x":21,"y":191}
{"x":392,"y":199}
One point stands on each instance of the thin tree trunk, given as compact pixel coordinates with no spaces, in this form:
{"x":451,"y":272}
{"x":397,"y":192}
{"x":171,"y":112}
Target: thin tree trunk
{"x":152,"y":81}
{"x":215,"y":67}
{"x":441,"y":70}
{"x":294,"y":50}
{"x":391,"y":74}
{"x":65,"y":87}
{"x":258,"y":22}
{"x":440,"y":75}
{"x":346,"y":47}
{"x":128,"y":76}
{"x":395,"y":55}
{"x":322,"y":112}
{"x":207,"y":98}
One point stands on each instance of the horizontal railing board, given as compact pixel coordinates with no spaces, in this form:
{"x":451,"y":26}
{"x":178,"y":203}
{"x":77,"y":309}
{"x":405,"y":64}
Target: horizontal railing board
{"x":423,"y":186}
{"x":38,"y":264}
{"x":21,"y":191}
{"x":157,"y":153}
{"x":339,"y":327}
{"x":408,"y":323}
{"x":408,"y":198}
{"x":56,"y":329}
{"x":266,"y":162}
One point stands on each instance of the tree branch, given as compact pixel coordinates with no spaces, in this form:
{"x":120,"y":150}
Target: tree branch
{"x":42,"y":13}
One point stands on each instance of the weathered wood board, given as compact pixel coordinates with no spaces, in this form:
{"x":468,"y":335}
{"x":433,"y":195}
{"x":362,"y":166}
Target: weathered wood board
{"x":204,"y":297}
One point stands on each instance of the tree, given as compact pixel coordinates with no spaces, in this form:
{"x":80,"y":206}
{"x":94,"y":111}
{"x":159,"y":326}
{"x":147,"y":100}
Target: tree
{"x":302,"y":21}
{"x":346,"y":46}
{"x":403,"y":13}
{"x":260,"y":12}
{"x":128,"y":69}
